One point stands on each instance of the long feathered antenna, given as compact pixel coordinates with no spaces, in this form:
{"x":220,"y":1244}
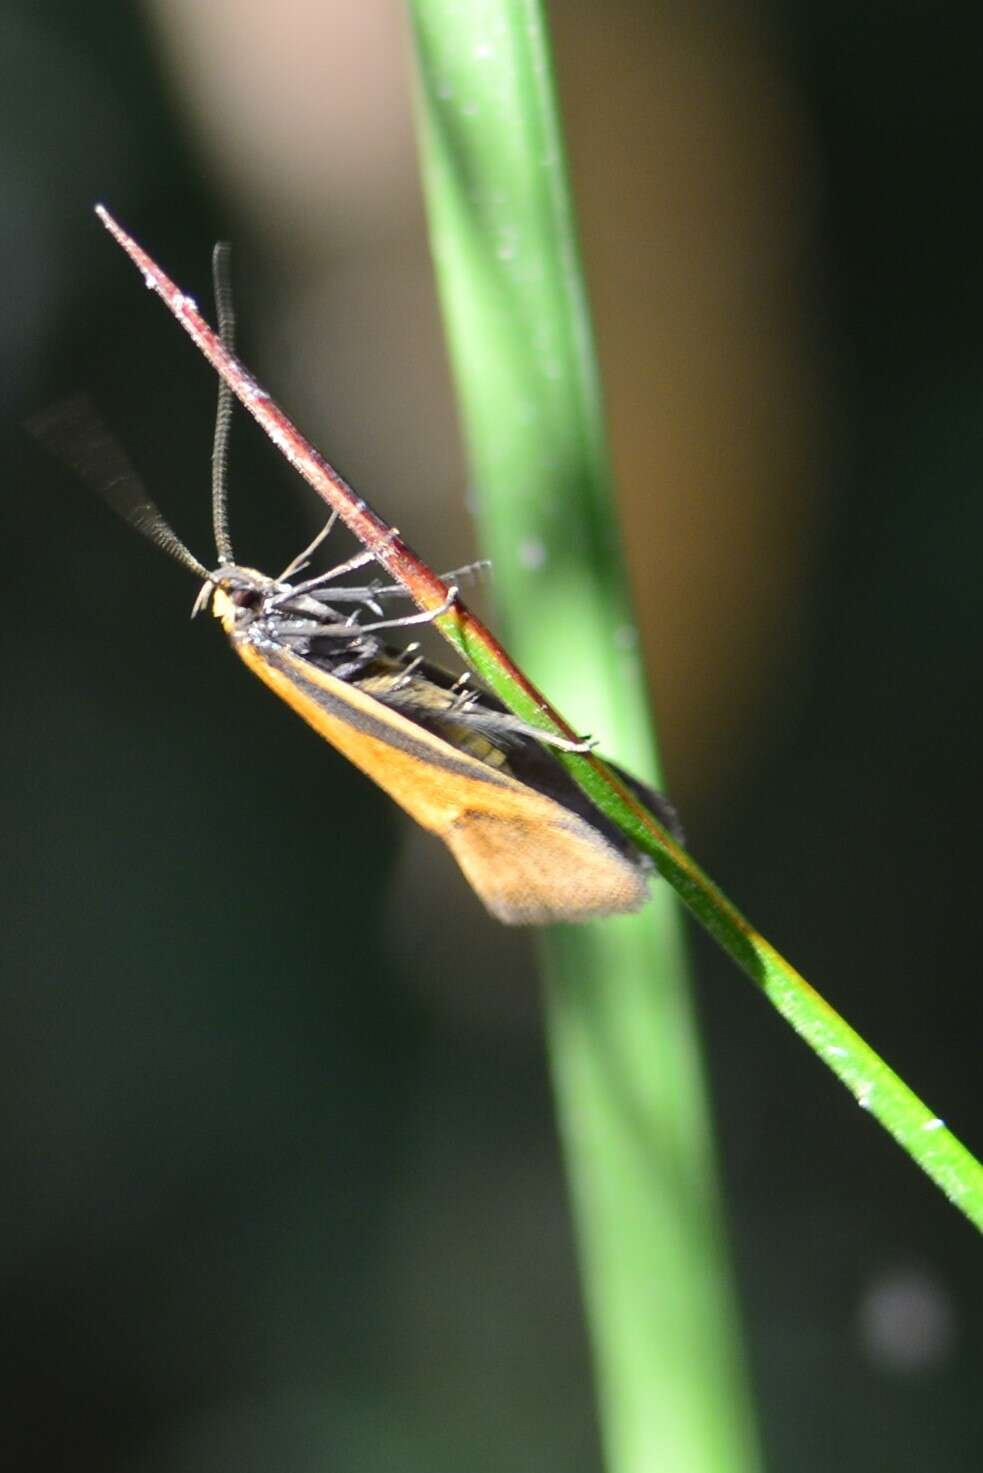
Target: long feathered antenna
{"x":73,"y":431}
{"x":225,"y":313}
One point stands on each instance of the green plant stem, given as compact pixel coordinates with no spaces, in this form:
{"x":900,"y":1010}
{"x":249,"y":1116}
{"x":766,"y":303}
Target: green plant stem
{"x":671,"y":1385}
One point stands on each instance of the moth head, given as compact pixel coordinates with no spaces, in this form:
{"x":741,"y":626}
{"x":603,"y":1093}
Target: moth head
{"x":238,"y":596}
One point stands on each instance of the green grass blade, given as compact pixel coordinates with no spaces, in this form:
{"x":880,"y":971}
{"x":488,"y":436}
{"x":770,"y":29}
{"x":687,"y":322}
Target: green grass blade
{"x":671,"y":1386}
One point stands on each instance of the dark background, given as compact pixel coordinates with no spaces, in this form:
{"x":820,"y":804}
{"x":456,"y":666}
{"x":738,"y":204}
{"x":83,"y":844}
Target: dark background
{"x":279,"y":1175}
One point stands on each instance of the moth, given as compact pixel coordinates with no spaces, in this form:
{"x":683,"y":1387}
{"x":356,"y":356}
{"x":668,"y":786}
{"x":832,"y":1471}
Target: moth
{"x":530,"y":842}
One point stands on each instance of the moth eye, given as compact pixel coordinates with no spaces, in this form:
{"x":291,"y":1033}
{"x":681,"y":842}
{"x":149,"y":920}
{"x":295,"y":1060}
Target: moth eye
{"x":247,"y":598}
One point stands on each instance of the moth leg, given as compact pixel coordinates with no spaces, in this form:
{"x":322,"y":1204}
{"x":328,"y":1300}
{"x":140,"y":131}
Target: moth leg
{"x":426,"y":617}
{"x":293,"y":590}
{"x":468,"y":570}
{"x":471,"y":712}
{"x":303,"y":558}
{"x":359,"y":560}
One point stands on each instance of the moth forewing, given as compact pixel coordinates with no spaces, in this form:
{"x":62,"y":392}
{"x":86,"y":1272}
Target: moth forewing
{"x":531,"y":859}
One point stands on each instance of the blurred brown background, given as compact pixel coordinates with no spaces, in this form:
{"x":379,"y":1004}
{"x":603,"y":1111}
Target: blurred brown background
{"x":281,"y":1183}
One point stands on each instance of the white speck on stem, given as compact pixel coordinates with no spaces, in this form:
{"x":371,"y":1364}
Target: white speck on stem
{"x":149,"y":282}
{"x":836,"y":1052}
{"x":935,"y":1124}
{"x":864,"y":1095}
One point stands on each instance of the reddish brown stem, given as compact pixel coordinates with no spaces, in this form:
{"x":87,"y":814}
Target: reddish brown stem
{"x":428,"y":591}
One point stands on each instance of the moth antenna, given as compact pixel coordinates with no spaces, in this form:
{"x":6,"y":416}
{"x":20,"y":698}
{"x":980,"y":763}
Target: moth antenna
{"x":226,"y":320}
{"x":73,"y":432}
